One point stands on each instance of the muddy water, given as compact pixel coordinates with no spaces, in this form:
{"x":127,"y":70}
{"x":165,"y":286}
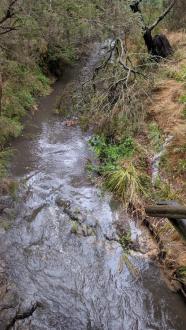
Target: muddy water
{"x":62,"y":249}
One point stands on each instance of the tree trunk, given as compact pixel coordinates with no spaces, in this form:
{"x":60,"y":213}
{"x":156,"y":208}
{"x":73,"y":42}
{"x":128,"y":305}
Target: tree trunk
{"x":157,"y":46}
{"x":147,"y":36}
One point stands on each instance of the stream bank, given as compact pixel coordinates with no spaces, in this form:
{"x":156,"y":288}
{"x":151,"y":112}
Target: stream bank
{"x":59,"y":277}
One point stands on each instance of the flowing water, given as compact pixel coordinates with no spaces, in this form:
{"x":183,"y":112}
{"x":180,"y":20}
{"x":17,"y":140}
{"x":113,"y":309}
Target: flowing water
{"x":62,"y":249}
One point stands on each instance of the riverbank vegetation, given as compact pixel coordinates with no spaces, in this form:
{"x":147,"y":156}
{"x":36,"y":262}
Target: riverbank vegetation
{"x":136,"y":106}
{"x":37,"y":40}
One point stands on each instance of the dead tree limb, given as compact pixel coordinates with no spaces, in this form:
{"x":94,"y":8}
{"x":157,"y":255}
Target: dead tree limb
{"x":118,"y":50}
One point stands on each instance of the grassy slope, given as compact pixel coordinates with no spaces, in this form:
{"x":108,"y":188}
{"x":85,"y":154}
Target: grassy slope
{"x":167,"y":109}
{"x":126,"y":158}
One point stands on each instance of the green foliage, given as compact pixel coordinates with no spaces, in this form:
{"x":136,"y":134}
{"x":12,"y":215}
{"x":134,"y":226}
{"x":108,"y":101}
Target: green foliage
{"x":117,"y":165}
{"x":181,"y":273}
{"x":125,"y":240}
{"x":9,"y":128}
{"x":23,"y":85}
{"x":155,"y":136}
{"x":4,"y":158}
{"x":180,"y":75}
{"x":110,"y":153}
{"x":183,"y":101}
{"x":49,"y":33}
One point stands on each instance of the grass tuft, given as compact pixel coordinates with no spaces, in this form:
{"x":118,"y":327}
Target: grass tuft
{"x":126,"y":182}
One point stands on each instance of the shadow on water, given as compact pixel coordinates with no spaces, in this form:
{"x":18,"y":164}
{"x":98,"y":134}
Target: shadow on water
{"x":62,"y":250}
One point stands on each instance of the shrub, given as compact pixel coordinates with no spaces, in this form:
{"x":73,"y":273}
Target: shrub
{"x":9,"y":129}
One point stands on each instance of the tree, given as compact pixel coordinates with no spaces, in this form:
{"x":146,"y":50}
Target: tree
{"x":159,"y":45}
{"x":7,"y":25}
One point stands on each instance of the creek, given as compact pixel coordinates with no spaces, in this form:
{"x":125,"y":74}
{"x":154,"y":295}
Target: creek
{"x":62,"y":253}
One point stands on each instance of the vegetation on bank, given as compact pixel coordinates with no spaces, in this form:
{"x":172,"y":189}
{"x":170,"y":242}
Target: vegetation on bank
{"x":37,"y":40}
{"x":139,"y":124}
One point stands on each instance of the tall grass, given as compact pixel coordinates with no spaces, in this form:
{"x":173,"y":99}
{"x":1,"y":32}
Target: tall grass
{"x":126,"y":182}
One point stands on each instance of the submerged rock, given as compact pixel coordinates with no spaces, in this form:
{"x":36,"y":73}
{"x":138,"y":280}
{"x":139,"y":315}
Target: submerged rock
{"x":62,"y":202}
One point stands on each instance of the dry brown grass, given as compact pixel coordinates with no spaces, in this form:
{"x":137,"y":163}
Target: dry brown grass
{"x":166,"y":109}
{"x":172,"y":250}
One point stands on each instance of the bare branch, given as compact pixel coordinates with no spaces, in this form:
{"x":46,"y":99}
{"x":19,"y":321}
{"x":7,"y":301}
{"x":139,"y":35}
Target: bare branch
{"x":8,"y":30}
{"x":162,"y":16}
{"x":9,"y":12}
{"x":121,"y":54}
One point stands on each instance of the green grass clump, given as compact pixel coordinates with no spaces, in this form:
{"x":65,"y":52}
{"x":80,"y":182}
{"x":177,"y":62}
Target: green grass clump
{"x":74,"y":228}
{"x":125,"y":240}
{"x":4,"y":158}
{"x":183,"y":101}
{"x":123,"y":176}
{"x":9,"y":128}
{"x":180,"y":75}
{"x":127,"y":183}
{"x":155,"y":136}
{"x":181,"y":274}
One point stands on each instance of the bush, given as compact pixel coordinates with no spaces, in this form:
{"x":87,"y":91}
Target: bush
{"x":112,"y":152}
{"x":9,"y":128}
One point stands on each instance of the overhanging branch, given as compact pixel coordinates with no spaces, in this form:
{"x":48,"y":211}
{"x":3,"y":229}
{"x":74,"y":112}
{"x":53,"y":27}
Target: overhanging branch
{"x":10,"y":12}
{"x":162,"y":16}
{"x":7,"y":22}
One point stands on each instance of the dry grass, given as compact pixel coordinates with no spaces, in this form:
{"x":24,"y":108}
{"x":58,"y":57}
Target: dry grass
{"x":172,"y":250}
{"x":166,"y":110}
